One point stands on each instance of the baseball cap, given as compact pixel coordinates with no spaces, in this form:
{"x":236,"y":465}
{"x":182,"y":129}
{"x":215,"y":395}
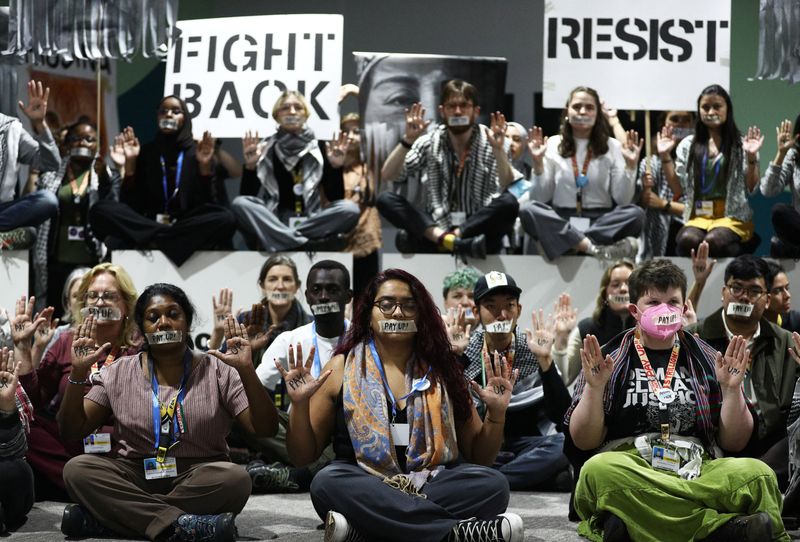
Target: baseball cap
{"x":495,"y":282}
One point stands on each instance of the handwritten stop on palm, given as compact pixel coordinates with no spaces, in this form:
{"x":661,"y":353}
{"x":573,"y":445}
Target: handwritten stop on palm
{"x":85,"y":352}
{"x":238,"y":354}
{"x":732,"y":367}
{"x":9,"y":377}
{"x":500,"y":381}
{"x":597,"y":370}
{"x":23,"y":325}
{"x":300,"y":383}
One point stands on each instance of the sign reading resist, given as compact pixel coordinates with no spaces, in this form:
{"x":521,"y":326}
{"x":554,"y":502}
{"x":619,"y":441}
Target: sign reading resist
{"x":637,"y":55}
{"x":230,"y":71}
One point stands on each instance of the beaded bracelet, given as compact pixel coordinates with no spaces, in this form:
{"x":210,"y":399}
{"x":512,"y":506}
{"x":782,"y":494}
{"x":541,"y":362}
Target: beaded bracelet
{"x":77,"y":382}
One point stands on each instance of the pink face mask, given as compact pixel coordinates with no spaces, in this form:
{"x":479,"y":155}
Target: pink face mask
{"x":661,"y":321}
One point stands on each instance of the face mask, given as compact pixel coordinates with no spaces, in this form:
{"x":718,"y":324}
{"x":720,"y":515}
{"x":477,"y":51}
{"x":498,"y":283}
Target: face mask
{"x":102,"y":314}
{"x":81,"y":152}
{"x":168,"y":124}
{"x":581,"y":121}
{"x":280,"y":296}
{"x":324,"y":308}
{"x":499,"y":327}
{"x":164,"y":337}
{"x":661,"y":321}
{"x":461,"y":120}
{"x":292,"y":121}
{"x":740,"y":309}
{"x":619,"y":299}
{"x":397,"y":326}
{"x":680,"y":133}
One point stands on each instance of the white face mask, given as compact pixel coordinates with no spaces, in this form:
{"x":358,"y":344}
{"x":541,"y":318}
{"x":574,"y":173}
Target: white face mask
{"x":168,"y":124}
{"x":397,"y":326}
{"x":581,"y":121}
{"x":81,"y":152}
{"x":461,"y":120}
{"x":292,"y":121}
{"x":164,"y":337}
{"x":503,"y":326}
{"x":740,"y":309}
{"x":325,"y":308}
{"x":102,"y":314}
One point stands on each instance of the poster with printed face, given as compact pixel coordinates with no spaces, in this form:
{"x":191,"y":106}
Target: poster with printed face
{"x":637,"y":55}
{"x":231,"y":71}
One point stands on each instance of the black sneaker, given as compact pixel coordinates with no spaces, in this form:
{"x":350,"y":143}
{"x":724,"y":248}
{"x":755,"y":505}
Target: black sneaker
{"x":405,"y":242}
{"x":337,"y":529}
{"x":274,"y":478}
{"x":614,"y":530}
{"x":204,"y":528}
{"x":753,"y":528}
{"x":78,"y":522}
{"x":504,"y":528}
{"x":471,"y":247}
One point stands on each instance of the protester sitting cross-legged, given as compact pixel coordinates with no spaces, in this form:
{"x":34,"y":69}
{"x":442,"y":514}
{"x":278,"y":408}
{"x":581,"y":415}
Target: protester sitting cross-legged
{"x":532,"y":452}
{"x":175,"y":480}
{"x":652,"y":412}
{"x":395,"y":404}
{"x":782,"y":172}
{"x":583,"y":186}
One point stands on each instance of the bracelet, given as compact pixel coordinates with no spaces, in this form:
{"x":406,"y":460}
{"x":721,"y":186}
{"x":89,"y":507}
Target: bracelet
{"x":668,"y":206}
{"x":77,"y":382}
{"x":405,"y":143}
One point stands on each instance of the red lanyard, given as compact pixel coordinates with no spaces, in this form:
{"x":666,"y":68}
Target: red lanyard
{"x":663,"y":391}
{"x":580,"y":178}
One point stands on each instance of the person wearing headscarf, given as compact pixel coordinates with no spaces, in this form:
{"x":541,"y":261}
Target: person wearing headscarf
{"x":168,"y":200}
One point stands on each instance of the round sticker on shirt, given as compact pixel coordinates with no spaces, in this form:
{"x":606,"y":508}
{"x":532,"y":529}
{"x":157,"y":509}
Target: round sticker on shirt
{"x":421,"y":384}
{"x":298,"y":189}
{"x":665,"y":396}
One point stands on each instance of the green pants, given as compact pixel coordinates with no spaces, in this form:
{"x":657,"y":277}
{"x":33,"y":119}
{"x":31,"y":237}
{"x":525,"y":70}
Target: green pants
{"x":656,"y":505}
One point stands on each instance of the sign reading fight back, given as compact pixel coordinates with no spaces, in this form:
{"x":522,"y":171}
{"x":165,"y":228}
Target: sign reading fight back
{"x":230,"y":71}
{"x":637,"y":55}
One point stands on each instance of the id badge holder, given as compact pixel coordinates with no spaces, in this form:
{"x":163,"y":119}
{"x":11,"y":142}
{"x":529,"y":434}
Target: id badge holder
{"x":75,"y":233}
{"x":97,"y":443}
{"x":399,"y":433}
{"x":704,"y":208}
{"x":163,"y":218}
{"x":665,"y":457}
{"x":457,"y":218}
{"x":580,"y":223}
{"x":156,"y":470}
{"x":296,"y":221}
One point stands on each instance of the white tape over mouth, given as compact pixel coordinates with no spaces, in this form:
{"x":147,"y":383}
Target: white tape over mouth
{"x":292,"y":120}
{"x":102,"y":314}
{"x":164,"y":337}
{"x":325,"y":308}
{"x":168,"y":124}
{"x":711,"y":118}
{"x":280,"y":296}
{"x":81,"y":152}
{"x":740,"y":309}
{"x":581,"y":120}
{"x":619,"y":299}
{"x":461,"y":120}
{"x":398,"y":326}
{"x":499,"y":327}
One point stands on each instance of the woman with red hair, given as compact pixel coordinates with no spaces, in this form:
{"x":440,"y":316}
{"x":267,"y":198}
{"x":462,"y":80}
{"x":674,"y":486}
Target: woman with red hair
{"x":395,"y":405}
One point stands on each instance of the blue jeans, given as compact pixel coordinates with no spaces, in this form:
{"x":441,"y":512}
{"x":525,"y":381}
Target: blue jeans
{"x":29,"y":210}
{"x":537,"y":460}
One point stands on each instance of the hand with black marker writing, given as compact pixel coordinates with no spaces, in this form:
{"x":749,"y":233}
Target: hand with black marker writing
{"x":238,"y":354}
{"x":85,"y":351}
{"x":500,"y":379}
{"x":300,"y":384}
{"x":597,"y":370}
{"x":9,"y":378}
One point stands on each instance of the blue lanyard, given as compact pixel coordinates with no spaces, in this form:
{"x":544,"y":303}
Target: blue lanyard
{"x":178,"y":399}
{"x":316,"y":369}
{"x":703,"y":189}
{"x":168,"y":198}
{"x":419,"y":385}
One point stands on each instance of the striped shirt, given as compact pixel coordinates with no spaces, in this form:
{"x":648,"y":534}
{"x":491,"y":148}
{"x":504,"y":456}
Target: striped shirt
{"x":214,"y":395}
{"x":452,"y":184}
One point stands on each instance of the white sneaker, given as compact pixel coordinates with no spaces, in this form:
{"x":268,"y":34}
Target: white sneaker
{"x":624,"y":249}
{"x":504,"y":528}
{"x":337,"y":529}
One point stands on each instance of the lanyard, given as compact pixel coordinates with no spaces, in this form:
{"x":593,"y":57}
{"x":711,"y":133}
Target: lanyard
{"x":316,"y":369}
{"x":165,"y":413}
{"x":663,"y":391}
{"x":78,"y":191}
{"x":168,"y":198}
{"x":703,"y":189}
{"x":510,"y":353}
{"x":581,"y":179}
{"x":459,"y":171}
{"x":421,"y":384}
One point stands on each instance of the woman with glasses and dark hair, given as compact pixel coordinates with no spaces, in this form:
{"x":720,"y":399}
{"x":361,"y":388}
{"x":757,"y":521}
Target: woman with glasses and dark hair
{"x":395,"y":405}
{"x":107,"y":293}
{"x":168,"y":197}
{"x":715,"y":169}
{"x":172,"y":407}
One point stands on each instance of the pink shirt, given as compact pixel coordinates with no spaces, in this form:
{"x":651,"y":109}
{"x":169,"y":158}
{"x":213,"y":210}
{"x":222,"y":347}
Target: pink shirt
{"x":214,"y":395}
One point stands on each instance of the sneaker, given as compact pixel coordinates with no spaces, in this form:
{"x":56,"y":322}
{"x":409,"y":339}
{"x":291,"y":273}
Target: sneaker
{"x":614,"y":530}
{"x":78,"y":522}
{"x":405,"y":242}
{"x":624,"y":249}
{"x":274,"y":478}
{"x":755,"y":527}
{"x":337,"y":529}
{"x":472,"y":247}
{"x":204,"y":528}
{"x":504,"y":528}
{"x":781,"y":250}
{"x":18,"y":239}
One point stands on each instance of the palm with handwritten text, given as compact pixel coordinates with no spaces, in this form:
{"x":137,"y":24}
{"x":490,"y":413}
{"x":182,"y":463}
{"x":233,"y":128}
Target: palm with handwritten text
{"x":300,"y":384}
{"x":85,"y":351}
{"x":500,"y":379}
{"x":238,"y":354}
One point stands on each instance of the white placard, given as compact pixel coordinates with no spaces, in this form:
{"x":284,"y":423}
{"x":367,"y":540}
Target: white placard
{"x":231,"y":70}
{"x":637,"y":55}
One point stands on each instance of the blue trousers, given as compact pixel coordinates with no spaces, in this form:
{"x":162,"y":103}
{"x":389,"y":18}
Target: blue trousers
{"x":29,"y":210}
{"x":537,"y":460}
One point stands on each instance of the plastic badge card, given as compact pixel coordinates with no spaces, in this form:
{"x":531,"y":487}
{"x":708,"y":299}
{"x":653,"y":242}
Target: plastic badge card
{"x":153,"y":470}
{"x":97,"y":443}
{"x":666,"y":458}
{"x":399,"y":434}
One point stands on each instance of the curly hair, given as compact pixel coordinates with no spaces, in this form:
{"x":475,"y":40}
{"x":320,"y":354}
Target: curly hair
{"x":432,"y":345}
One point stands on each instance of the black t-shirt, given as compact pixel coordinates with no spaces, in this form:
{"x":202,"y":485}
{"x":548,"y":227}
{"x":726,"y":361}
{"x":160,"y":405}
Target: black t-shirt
{"x":638,"y":408}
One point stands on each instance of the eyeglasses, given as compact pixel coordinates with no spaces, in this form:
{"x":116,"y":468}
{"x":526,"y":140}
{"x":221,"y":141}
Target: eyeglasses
{"x":737,"y":290}
{"x":109,"y":297}
{"x":387,"y":307}
{"x":174,"y":110}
